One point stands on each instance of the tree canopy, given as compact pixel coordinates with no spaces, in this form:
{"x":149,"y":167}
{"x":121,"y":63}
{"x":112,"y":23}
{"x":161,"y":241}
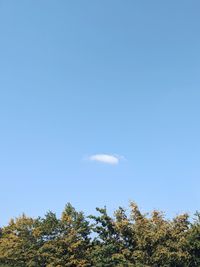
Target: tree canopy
{"x":128,"y":238}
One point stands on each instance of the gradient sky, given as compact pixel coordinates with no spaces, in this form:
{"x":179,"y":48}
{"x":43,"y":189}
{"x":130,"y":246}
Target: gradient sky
{"x":80,"y":78}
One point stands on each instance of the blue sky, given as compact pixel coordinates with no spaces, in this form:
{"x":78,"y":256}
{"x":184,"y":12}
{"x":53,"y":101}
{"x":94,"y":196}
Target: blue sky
{"x":82,"y":78}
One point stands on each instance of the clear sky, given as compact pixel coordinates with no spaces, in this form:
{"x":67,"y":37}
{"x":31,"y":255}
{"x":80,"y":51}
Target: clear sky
{"x":83,"y":78}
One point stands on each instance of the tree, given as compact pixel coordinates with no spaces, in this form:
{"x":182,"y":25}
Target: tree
{"x":47,"y":241}
{"x":140,"y":240}
{"x":194,"y":241}
{"x":65,"y":242}
{"x":127,"y":239}
{"x":18,"y":242}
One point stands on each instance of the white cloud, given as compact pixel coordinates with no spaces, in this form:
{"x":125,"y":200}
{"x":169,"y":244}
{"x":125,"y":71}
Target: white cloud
{"x":106,"y":158}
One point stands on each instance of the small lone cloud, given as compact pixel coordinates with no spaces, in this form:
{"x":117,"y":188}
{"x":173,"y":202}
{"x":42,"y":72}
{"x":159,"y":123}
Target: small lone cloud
{"x":106,"y":158}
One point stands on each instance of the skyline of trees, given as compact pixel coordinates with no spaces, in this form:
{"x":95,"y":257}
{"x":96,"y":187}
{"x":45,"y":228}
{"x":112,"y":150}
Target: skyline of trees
{"x":128,"y":238}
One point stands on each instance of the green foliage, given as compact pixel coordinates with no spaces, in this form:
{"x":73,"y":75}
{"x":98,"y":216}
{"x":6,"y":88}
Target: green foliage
{"x":140,"y":240}
{"x":46,"y":242}
{"x":194,"y":241}
{"x":133,"y":240}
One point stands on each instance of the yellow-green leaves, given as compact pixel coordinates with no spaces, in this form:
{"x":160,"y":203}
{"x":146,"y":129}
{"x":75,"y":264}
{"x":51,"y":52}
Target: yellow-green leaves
{"x":129,"y":238}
